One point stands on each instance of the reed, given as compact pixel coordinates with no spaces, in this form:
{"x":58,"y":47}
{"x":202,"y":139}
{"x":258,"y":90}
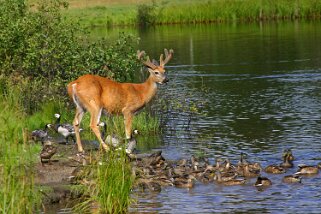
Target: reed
{"x":110,"y":184}
{"x":246,"y":10}
{"x":192,"y":11}
{"x":18,"y":194}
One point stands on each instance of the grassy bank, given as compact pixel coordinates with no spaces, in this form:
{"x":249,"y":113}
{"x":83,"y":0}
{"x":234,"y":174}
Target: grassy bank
{"x":127,"y":12}
{"x":18,"y":193}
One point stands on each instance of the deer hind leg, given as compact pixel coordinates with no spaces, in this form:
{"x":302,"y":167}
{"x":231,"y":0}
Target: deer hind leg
{"x":128,"y":117}
{"x":95,"y":113}
{"x":76,"y":123}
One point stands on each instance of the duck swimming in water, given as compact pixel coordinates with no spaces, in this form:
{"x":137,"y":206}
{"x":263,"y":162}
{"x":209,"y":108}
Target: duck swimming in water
{"x":274,"y":169}
{"x":287,"y":161}
{"x":231,"y":182}
{"x":262,"y":182}
{"x":307,"y":170}
{"x":292,"y":179}
{"x":182,"y":182}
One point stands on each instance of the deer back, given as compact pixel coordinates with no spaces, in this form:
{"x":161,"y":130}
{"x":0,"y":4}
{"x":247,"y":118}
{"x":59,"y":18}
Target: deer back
{"x":95,"y":91}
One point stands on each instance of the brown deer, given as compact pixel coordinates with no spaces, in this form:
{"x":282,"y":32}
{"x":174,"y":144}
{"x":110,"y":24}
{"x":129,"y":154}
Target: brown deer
{"x":95,"y":94}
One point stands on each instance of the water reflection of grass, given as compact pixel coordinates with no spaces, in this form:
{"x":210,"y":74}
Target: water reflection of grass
{"x":108,"y":13}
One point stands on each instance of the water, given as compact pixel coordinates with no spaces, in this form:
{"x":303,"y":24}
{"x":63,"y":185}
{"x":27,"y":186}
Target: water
{"x":257,"y":89}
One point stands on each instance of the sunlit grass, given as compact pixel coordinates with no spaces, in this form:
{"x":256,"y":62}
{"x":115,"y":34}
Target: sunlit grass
{"x":192,"y":11}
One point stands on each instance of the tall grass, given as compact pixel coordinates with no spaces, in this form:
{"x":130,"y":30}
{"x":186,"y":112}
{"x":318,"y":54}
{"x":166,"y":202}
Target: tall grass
{"x":110,"y":184}
{"x":114,"y":183}
{"x":245,"y":10}
{"x":17,"y":193}
{"x":193,"y":11}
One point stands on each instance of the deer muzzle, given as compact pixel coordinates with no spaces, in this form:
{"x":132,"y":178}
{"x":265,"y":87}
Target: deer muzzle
{"x":165,"y":80}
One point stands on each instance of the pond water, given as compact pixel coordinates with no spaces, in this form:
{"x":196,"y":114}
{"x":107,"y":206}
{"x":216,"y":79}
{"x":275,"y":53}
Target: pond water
{"x":257,"y":89}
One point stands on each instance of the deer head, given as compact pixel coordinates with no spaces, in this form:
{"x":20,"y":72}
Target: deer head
{"x":157,"y":71}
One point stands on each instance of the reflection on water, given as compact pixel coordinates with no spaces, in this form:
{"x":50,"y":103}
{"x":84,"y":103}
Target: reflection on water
{"x":258,"y":88}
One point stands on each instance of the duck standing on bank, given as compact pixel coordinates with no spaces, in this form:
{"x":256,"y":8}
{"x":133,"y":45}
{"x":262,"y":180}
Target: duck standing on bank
{"x":40,"y":134}
{"x":115,"y":141}
{"x":66,"y":130}
{"x":47,"y":151}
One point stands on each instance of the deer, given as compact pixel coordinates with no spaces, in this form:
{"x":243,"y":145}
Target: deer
{"x":96,"y":94}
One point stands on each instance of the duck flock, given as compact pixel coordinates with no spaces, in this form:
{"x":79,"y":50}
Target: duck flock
{"x":154,"y":172}
{"x":66,"y":130}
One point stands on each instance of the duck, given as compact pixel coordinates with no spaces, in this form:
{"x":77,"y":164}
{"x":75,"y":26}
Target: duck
{"x":113,"y":139}
{"x":288,"y":152}
{"x":132,"y":142}
{"x":47,"y":152}
{"x":262,"y":182}
{"x":250,"y":172}
{"x":274,"y":169}
{"x":292,"y":179}
{"x":231,"y":182}
{"x":307,"y":170}
{"x":287,"y":161}
{"x":182,"y":182}
{"x":66,"y":130}
{"x":254,"y":167}
{"x":41,"y":134}
{"x":228,"y":167}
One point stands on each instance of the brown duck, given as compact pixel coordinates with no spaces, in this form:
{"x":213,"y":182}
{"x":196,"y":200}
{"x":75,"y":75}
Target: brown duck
{"x":263,"y":182}
{"x":47,"y":152}
{"x":231,"y":182}
{"x":287,"y":160}
{"x":292,"y":179}
{"x":307,"y":170}
{"x":274,"y":169}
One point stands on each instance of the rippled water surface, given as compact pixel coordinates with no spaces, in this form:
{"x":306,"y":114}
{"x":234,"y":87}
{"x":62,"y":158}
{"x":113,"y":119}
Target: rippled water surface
{"x":257,"y":88}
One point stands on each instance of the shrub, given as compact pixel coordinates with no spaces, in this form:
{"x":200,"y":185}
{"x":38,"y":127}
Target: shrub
{"x":39,"y":45}
{"x":146,"y":14}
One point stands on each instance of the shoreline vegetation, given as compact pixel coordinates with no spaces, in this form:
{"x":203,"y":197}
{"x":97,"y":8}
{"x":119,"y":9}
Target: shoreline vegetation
{"x":40,"y":52}
{"x":113,"y":13}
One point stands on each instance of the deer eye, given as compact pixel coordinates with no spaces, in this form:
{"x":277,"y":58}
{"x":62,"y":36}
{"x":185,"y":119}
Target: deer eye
{"x":156,"y":72}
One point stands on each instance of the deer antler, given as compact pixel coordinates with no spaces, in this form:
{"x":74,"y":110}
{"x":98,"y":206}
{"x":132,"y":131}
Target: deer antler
{"x":168,"y":56}
{"x":148,"y":63}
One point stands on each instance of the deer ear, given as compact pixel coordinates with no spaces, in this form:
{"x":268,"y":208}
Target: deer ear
{"x":150,"y":70}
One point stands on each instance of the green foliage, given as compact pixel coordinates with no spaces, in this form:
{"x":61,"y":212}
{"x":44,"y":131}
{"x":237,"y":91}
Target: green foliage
{"x":146,"y":14}
{"x":42,"y":47}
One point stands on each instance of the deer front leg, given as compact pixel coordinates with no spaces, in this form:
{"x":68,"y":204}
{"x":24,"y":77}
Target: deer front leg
{"x":94,"y":125}
{"x":128,"y":117}
{"x":76,"y":123}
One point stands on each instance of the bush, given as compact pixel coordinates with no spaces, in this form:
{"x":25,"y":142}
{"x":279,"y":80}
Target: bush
{"x":39,"y":45}
{"x":146,"y":14}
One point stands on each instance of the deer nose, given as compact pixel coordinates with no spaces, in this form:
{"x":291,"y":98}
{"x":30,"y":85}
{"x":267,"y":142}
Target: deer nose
{"x":165,"y":80}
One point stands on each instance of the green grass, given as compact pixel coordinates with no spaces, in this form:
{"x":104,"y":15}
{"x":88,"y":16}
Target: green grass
{"x":114,"y":183}
{"x":110,"y":184}
{"x":18,"y":194}
{"x":193,"y":11}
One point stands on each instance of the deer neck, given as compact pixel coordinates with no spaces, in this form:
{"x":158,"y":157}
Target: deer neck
{"x":150,"y":89}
